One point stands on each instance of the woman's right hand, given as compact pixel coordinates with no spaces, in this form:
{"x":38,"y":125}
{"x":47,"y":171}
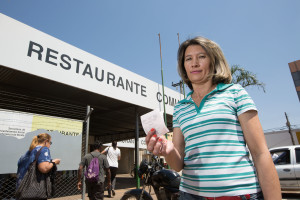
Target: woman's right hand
{"x":159,"y":146}
{"x":173,"y":151}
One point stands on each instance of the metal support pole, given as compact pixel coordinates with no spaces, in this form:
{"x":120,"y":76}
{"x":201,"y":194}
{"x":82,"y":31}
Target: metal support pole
{"x":86,"y":130}
{"x":137,"y":161}
{"x":289,"y":127}
{"x":163,"y":87}
{"x":183,"y":85}
{"x":162,"y":81}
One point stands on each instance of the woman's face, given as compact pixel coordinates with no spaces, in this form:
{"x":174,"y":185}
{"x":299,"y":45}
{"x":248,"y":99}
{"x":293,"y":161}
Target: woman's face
{"x":48,"y":143}
{"x":196,"y":64}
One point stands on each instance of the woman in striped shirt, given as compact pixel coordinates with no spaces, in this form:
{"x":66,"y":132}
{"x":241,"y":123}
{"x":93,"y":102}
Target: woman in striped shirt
{"x":213,"y":127}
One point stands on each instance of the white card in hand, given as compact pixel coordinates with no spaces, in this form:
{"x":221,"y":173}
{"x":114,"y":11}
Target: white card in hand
{"x":154,"y":119}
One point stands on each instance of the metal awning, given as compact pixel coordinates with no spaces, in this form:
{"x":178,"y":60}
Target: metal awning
{"x":111,"y":118}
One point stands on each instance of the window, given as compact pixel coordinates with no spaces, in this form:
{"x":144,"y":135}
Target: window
{"x":297,"y":151}
{"x":282,"y":157}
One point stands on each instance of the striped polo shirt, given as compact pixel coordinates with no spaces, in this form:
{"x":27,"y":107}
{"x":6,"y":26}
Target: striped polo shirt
{"x":216,"y":161}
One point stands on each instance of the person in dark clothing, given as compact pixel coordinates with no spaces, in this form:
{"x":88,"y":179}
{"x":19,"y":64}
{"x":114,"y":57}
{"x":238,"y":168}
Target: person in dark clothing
{"x":95,"y":189}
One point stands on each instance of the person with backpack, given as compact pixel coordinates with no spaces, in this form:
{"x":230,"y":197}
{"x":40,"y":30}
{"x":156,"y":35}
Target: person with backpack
{"x":95,"y":164}
{"x":113,"y":154}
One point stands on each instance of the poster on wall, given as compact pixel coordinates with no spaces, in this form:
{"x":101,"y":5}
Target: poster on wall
{"x":18,"y":128}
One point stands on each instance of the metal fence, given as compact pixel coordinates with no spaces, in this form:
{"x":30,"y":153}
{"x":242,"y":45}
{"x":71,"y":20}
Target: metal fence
{"x":65,"y":182}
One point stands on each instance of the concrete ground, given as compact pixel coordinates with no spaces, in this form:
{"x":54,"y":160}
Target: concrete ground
{"x":125,"y":182}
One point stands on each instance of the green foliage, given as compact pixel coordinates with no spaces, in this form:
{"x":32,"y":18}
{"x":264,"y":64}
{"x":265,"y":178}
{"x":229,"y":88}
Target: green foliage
{"x":245,"y":78}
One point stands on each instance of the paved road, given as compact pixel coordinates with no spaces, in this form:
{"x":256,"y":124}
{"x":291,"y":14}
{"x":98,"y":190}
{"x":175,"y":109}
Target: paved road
{"x":125,"y":183}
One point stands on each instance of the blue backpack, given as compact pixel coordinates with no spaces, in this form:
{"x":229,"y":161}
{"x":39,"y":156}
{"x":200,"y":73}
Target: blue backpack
{"x":92,"y":172}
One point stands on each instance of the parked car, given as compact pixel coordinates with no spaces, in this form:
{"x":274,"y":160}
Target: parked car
{"x":287,"y":163}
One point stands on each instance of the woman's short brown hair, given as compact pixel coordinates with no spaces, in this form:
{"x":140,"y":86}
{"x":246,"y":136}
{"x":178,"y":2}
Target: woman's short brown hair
{"x":219,"y":69}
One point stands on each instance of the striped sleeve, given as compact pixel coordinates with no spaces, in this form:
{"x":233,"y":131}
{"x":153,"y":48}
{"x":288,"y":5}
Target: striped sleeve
{"x":243,"y":101}
{"x":175,"y":116}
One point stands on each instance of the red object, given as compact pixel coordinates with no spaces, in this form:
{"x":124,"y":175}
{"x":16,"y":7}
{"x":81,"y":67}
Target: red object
{"x":228,"y":197}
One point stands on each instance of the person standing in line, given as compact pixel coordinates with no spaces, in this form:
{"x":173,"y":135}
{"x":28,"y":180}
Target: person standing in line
{"x":44,"y":162}
{"x":211,"y":128}
{"x":113,"y":154}
{"x":95,"y":189}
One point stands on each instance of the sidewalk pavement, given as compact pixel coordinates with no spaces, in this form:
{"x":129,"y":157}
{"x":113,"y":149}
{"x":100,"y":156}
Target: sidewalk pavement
{"x":124,"y":183}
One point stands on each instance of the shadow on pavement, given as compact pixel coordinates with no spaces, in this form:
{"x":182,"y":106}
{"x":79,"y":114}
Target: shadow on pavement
{"x":125,"y":182}
{"x":292,"y":195}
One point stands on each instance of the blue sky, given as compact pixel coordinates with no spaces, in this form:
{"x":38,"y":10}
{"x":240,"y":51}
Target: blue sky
{"x":261,"y":36}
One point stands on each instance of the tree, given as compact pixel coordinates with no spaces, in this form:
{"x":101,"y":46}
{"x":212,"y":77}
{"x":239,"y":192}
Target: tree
{"x":245,"y":78}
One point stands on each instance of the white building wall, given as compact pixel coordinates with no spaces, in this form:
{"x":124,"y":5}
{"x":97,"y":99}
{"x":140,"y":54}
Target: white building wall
{"x":281,"y":138}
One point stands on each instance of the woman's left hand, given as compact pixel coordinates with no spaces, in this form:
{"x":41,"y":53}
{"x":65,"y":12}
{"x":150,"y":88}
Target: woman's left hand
{"x":57,"y":161}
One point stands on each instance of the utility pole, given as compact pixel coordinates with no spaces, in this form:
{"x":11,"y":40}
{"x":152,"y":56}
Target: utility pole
{"x":289,"y":127}
{"x":85,"y":132}
{"x":180,"y":84}
{"x":163,"y":86}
